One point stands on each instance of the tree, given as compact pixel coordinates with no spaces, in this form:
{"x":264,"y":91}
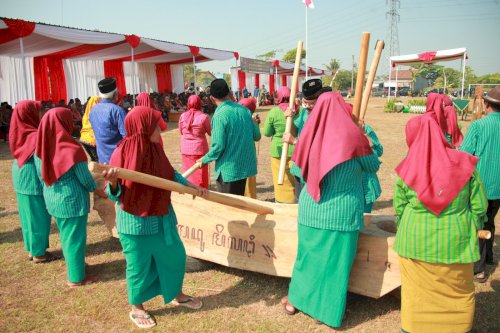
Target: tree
{"x":342,"y":80}
{"x":291,"y":54}
{"x":334,"y":65}
{"x":188,"y":73}
{"x":227,"y":78}
{"x":268,"y":55}
{"x":489,"y":78}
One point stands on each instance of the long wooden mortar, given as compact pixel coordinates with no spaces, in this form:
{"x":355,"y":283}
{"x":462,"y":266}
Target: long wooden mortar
{"x":289,"y":120}
{"x":142,"y":178}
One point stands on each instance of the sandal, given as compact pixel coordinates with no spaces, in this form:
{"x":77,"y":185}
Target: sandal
{"x":480,"y":277}
{"x":133,"y":316}
{"x":190,"y":303}
{"x":88,"y":280}
{"x":288,"y":308}
{"x":48,"y":257}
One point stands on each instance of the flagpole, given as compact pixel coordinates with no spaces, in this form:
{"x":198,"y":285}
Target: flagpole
{"x":307,"y":68}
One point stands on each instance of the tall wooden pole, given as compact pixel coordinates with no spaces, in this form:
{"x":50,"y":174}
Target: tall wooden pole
{"x":360,"y":80}
{"x":371,"y":76}
{"x":288,"y":128}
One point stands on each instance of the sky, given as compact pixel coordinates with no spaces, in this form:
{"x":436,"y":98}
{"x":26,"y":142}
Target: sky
{"x":258,"y":26}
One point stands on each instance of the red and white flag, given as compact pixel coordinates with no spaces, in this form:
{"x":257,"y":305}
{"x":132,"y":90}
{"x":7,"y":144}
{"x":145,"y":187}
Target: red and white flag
{"x":309,"y":3}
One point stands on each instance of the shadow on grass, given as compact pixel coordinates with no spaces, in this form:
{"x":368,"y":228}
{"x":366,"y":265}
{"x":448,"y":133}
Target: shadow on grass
{"x":382,"y":204}
{"x":109,"y":245}
{"x":108,"y":271}
{"x":11,"y":236}
{"x":488,"y":321}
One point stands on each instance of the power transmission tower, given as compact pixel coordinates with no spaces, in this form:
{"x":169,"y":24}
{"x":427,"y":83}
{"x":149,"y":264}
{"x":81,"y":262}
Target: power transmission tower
{"x":392,"y":31}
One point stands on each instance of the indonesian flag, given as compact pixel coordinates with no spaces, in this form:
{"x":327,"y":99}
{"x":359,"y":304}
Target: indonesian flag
{"x":309,"y":3}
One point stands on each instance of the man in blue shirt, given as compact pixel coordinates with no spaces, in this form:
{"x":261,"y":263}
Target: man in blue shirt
{"x":107,"y":120}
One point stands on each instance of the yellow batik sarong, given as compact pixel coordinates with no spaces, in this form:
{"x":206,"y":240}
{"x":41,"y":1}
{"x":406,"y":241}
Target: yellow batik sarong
{"x":283,"y":193}
{"x":436,"y":297}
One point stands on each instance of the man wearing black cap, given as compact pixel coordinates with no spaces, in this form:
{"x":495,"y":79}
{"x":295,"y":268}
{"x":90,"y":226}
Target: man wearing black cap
{"x":311,"y":89}
{"x":232,"y":148}
{"x":483,"y":140}
{"x":107,"y":120}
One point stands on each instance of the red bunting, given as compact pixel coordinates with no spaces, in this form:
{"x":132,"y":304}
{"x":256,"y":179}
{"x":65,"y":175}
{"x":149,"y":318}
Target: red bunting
{"x":133,"y":40}
{"x":19,"y":27}
{"x":195,"y":50}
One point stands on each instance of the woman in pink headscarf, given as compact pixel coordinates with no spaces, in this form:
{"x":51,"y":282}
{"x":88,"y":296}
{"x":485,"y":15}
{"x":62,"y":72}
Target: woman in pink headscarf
{"x":193,"y":126}
{"x":440,"y":108}
{"x":143,"y":99}
{"x":274,"y":127}
{"x":440,"y":202}
{"x":452,"y":122}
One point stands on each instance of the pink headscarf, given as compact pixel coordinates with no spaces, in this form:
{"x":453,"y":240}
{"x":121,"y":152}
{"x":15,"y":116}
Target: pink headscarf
{"x":194,"y":104}
{"x":452,"y":122}
{"x":249,"y":103}
{"x":432,"y":168}
{"x":329,"y":138}
{"x":435,"y":106}
{"x":143,"y":99}
{"x":283,"y":98}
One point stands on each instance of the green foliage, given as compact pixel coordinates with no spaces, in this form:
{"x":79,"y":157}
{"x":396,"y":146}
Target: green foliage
{"x":267,"y":56}
{"x":188,"y":73}
{"x":489,"y":79}
{"x":227,"y":78}
{"x":333,"y":65}
{"x":291,"y":54}
{"x":389,"y":105}
{"x":417,"y":101}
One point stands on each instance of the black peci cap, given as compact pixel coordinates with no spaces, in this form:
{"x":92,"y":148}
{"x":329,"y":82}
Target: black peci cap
{"x":107,"y":85}
{"x":219,"y":88}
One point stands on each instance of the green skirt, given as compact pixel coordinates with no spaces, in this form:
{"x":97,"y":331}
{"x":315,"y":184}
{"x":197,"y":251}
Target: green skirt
{"x":35,"y":223}
{"x":321,"y":273}
{"x":155,"y":264}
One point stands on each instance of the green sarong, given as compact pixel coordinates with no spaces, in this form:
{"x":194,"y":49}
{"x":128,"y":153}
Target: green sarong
{"x":155,"y":264}
{"x":321,"y":273}
{"x":73,"y":233}
{"x":35,"y":223}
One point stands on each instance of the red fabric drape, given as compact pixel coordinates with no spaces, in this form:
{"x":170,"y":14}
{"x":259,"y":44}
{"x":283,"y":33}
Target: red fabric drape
{"x":114,"y":69}
{"x":164,"y":77}
{"x":283,"y":80}
{"x":50,"y":82}
{"x":57,"y":79}
{"x":195,"y":50}
{"x":81,"y":50}
{"x":42,"y":88}
{"x":257,"y":80}
{"x":6,"y":35}
{"x":271,"y":84}
{"x":427,"y":56}
{"x":241,"y":80}
{"x":133,"y":40}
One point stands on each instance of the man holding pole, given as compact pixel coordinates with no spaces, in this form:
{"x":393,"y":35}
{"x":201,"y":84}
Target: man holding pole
{"x":232,"y":148}
{"x":311,"y":90}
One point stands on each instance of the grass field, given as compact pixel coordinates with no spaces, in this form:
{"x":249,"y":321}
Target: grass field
{"x":35,"y":298}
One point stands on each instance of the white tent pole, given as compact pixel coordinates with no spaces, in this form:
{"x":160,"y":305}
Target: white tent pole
{"x":133,"y":75}
{"x":389,"y":87}
{"x":21,"y":45}
{"x":396,"y":87}
{"x":194,"y":74}
{"x":463,"y":75}
{"x":275,"y":81}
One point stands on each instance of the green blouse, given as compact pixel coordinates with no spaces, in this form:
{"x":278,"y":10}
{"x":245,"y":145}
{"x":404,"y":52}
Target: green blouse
{"x":274,"y":127}
{"x":69,"y":196}
{"x":25,"y":179}
{"x":342,"y":202}
{"x":130,"y":224}
{"x":448,"y":238}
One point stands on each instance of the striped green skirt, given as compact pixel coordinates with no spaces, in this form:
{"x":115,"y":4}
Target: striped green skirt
{"x":321,"y":273}
{"x":155,"y":264}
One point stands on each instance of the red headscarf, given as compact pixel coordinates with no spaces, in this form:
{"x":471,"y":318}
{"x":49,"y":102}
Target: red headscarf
{"x":55,"y":146}
{"x":143,"y":99}
{"x":435,"y":105}
{"x":432,"y":168}
{"x":194,"y":104}
{"x":452,"y":122}
{"x":283,"y":98}
{"x":249,"y":103}
{"x":23,"y":129}
{"x":137,"y":152}
{"x":329,"y":138}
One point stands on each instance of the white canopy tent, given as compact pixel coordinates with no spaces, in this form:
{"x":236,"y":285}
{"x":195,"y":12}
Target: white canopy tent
{"x":429,"y":58}
{"x":84,"y":53}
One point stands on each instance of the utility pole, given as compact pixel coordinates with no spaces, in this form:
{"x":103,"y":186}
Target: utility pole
{"x":352,"y":75}
{"x":392,"y":31}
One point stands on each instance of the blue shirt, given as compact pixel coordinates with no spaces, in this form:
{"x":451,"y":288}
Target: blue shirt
{"x":108,"y":122}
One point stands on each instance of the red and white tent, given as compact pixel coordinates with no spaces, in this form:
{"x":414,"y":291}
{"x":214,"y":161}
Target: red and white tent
{"x":282,"y":73}
{"x":41,"y":61}
{"x":429,"y":58}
